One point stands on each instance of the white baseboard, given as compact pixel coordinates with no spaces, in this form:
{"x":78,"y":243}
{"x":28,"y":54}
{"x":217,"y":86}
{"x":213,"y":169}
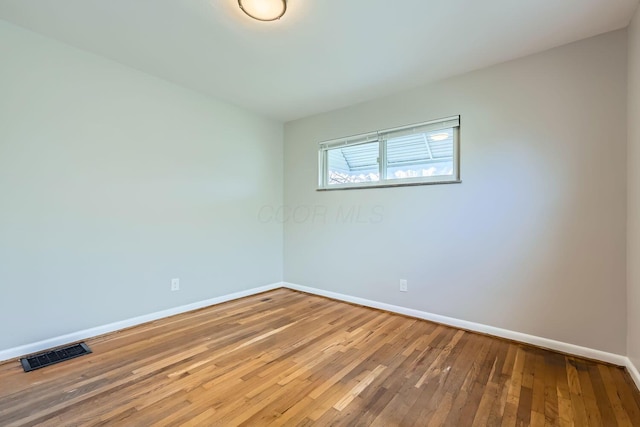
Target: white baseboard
{"x":633,"y":371}
{"x":116,"y":326}
{"x":563,"y":347}
{"x":450,"y":321}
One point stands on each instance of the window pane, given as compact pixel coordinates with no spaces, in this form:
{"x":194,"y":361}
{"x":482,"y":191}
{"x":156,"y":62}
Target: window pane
{"x":420,"y":155}
{"x":353,"y":164}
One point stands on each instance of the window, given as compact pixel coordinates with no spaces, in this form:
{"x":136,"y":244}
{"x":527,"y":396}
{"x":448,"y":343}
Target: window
{"x":424,"y":153}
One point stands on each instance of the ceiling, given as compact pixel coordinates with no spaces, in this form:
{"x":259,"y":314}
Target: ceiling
{"x":323,"y":54}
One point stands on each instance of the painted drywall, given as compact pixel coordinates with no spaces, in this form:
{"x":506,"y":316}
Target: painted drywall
{"x":633,"y":216}
{"x":113,"y":182}
{"x":532,"y":241}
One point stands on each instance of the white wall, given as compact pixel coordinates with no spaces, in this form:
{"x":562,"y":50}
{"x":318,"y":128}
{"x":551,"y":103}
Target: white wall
{"x":533,"y":240}
{"x":633,"y":217}
{"x":112,"y":182}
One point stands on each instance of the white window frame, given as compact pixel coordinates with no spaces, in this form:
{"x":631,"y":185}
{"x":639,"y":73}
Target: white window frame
{"x":381,"y":137}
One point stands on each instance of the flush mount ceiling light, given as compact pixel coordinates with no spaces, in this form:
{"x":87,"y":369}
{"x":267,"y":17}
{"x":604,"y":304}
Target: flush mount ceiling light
{"x":264,"y":10}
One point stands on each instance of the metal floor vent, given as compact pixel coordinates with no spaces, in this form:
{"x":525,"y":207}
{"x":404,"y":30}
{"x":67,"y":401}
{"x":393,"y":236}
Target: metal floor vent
{"x":52,"y":357}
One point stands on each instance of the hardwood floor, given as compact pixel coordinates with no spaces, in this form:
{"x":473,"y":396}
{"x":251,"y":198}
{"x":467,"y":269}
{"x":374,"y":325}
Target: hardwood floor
{"x":287,"y":358}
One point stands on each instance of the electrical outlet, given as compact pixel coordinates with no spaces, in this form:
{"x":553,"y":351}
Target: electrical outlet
{"x":403,"y":286}
{"x":175,"y":284}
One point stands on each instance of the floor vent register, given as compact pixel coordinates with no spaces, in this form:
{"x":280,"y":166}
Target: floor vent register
{"x":51,"y":357}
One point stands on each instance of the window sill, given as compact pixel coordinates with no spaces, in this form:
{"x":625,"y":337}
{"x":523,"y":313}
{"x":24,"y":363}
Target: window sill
{"x":385,"y":185}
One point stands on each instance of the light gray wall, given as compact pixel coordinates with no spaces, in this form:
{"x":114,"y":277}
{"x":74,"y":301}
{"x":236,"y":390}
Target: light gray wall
{"x":112,"y":182}
{"x":633,"y":217}
{"x":533,"y":240}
